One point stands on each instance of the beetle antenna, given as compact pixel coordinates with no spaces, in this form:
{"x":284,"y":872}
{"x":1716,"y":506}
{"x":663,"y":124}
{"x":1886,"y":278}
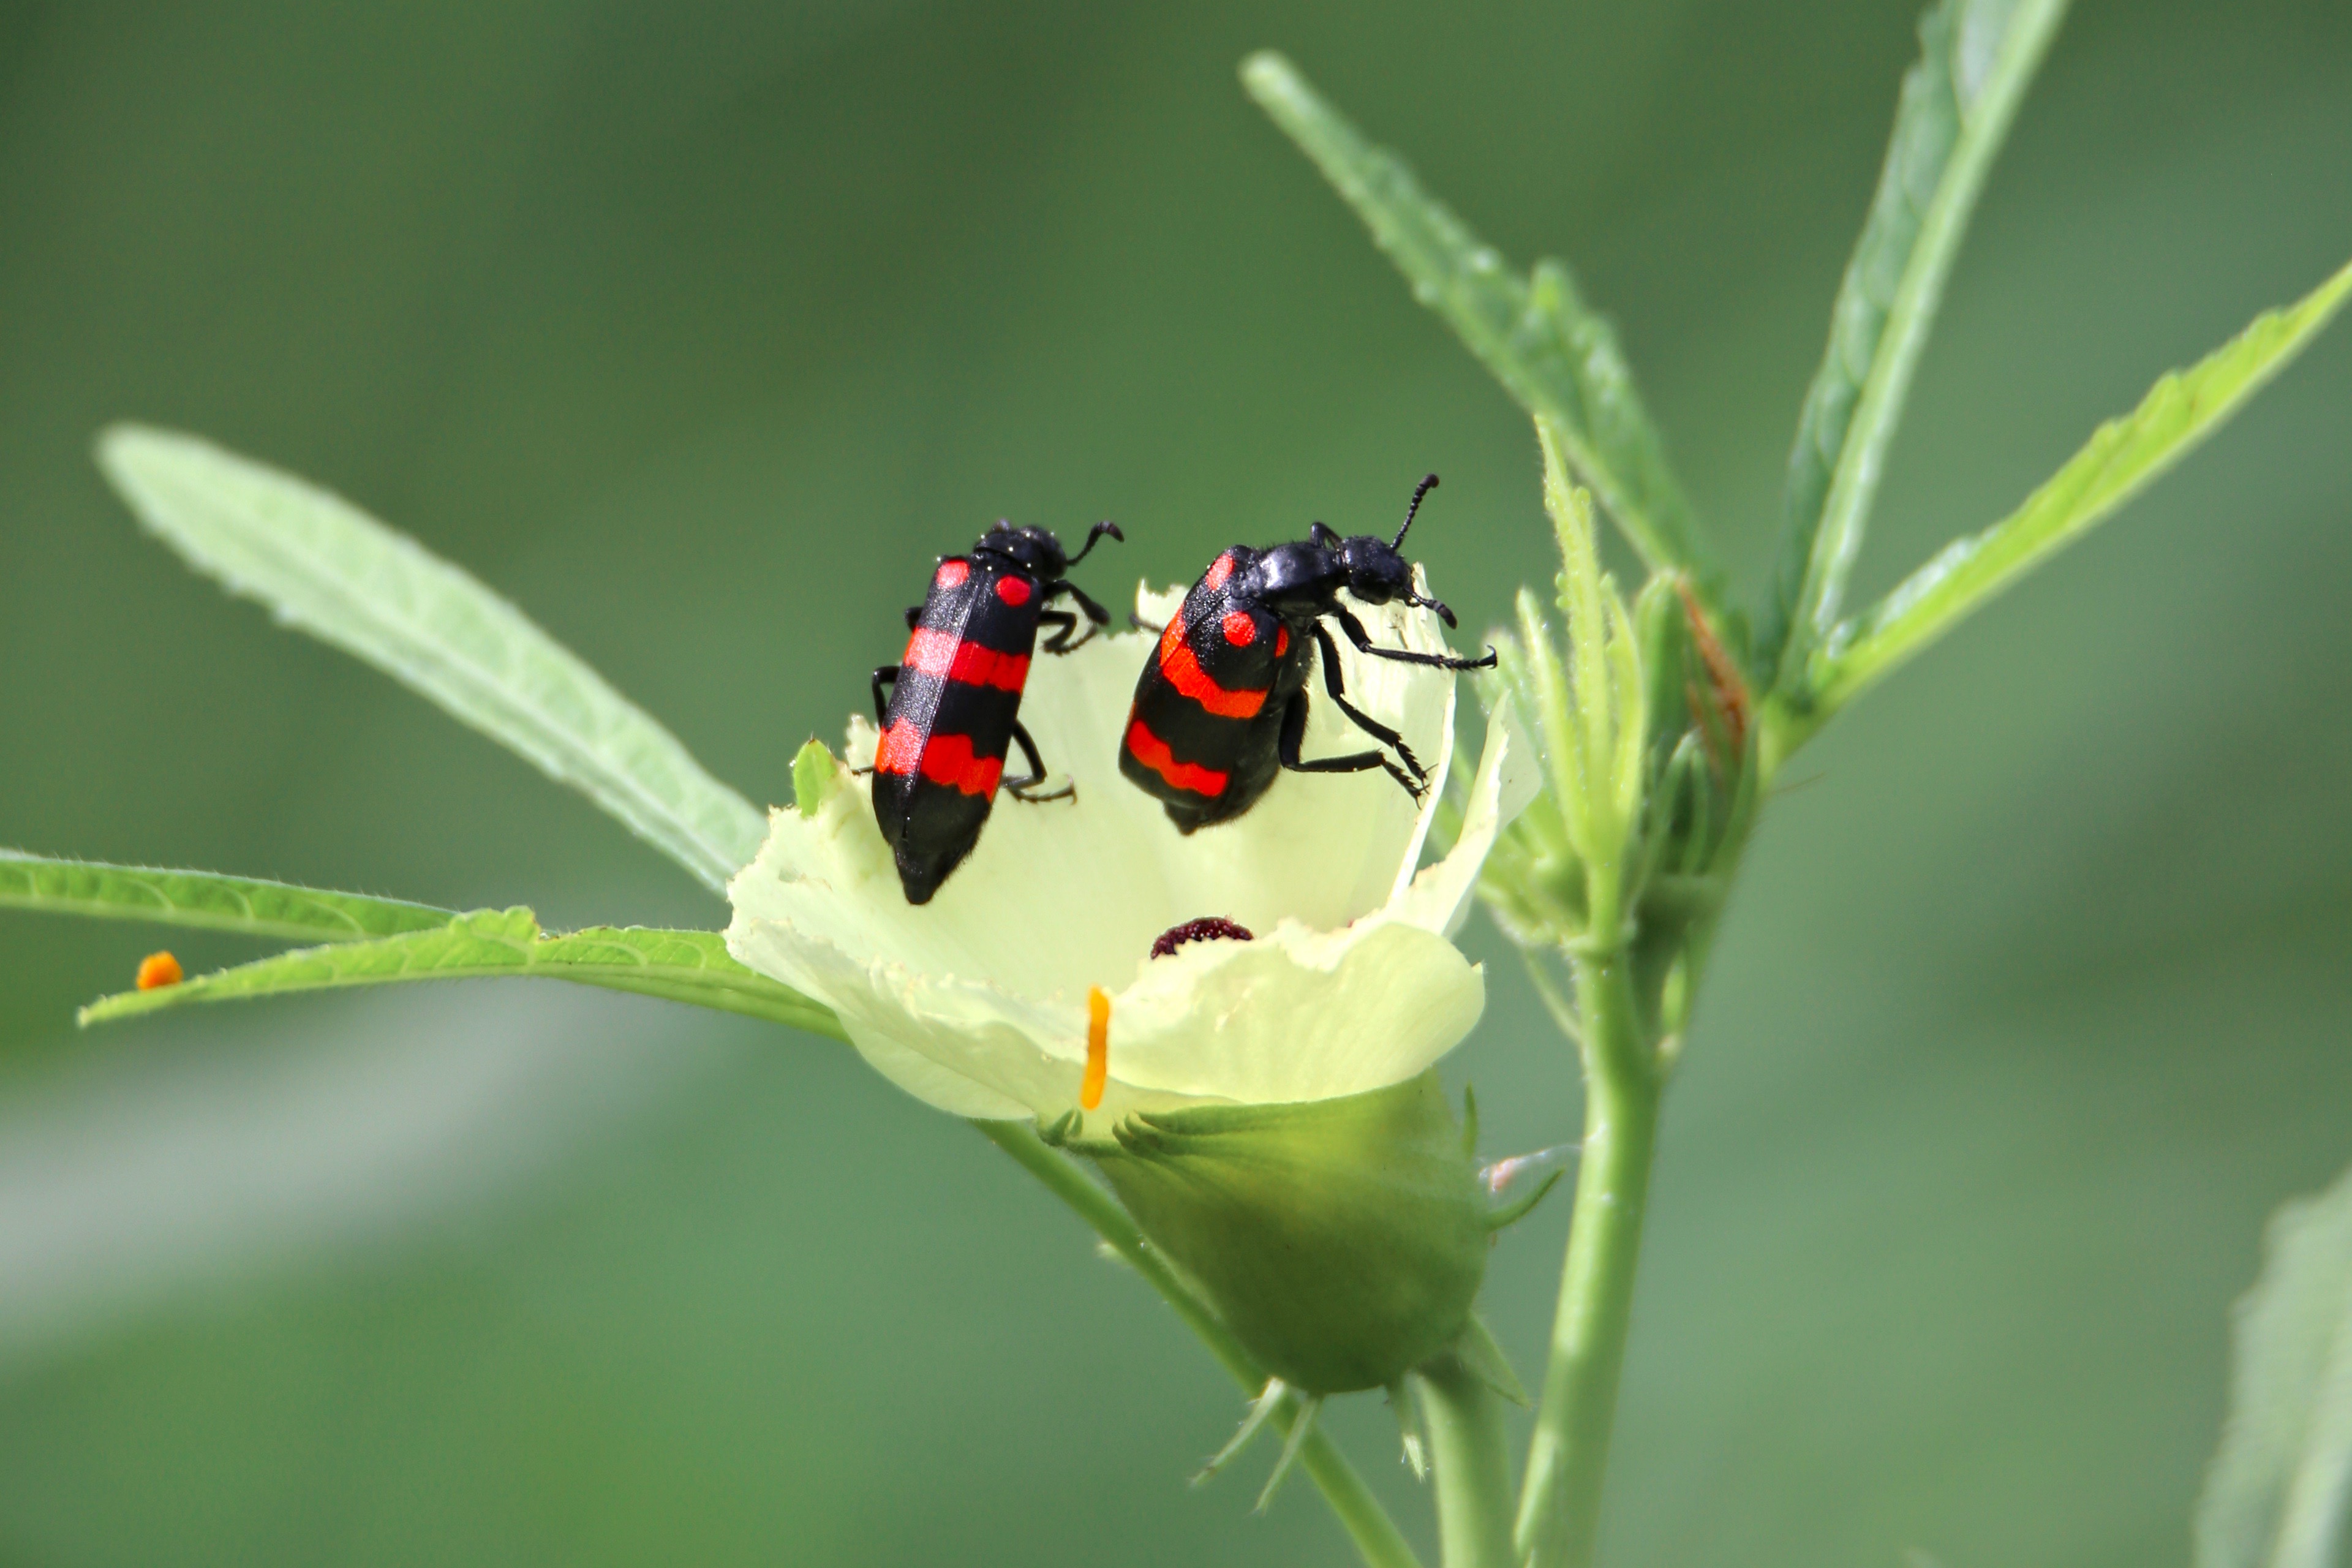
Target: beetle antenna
{"x":1419,"y":490}
{"x":1442,"y":612}
{"x":1095,"y":532}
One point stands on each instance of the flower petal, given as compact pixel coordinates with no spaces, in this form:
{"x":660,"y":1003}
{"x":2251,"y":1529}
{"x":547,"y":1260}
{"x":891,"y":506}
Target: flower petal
{"x":975,"y":1001}
{"x":1438,"y":897}
{"x":1296,"y":1015}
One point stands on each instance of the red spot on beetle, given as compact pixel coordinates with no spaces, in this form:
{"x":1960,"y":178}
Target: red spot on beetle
{"x":1218,"y":570}
{"x":950,"y":574}
{"x":1013,"y":590}
{"x":158,"y":970}
{"x":1208,"y":928}
{"x":1281,"y":641}
{"x":1240,"y":630}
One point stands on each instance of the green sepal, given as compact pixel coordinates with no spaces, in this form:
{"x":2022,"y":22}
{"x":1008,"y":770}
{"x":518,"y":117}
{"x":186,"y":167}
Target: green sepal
{"x":1341,"y":1240}
{"x":1483,"y":1354}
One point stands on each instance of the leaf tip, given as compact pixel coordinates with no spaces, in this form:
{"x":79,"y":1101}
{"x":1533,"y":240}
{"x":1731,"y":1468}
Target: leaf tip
{"x":1267,"y":73}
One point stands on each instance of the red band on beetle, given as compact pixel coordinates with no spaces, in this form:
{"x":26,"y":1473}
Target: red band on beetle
{"x":1184,"y":673}
{"x":898,"y":750}
{"x":1152,"y":752}
{"x":946,"y":657}
{"x":948,"y":760}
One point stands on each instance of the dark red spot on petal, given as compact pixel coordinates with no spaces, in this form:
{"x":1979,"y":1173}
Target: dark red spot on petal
{"x":1240,"y":630}
{"x":950,"y":574}
{"x":1013,"y":590}
{"x":1208,"y":928}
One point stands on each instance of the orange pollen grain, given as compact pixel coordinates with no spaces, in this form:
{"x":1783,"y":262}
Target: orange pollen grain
{"x":158,"y":970}
{"x":1090,"y":1089}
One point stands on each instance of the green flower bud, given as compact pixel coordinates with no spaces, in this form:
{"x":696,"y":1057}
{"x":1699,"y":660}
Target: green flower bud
{"x":1341,"y":1240}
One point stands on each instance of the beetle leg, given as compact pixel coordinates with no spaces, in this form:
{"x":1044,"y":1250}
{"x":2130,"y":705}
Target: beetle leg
{"x":1095,"y":612}
{"x":1294,"y":731}
{"x":914,"y":616}
{"x":1019,"y":788}
{"x":1364,"y":722}
{"x":1364,"y":644}
{"x":884,"y":675}
{"x":1064,"y":623}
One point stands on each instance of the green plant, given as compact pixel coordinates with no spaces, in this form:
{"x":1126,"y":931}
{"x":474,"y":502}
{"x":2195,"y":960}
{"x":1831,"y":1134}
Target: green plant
{"x":1660,"y":725}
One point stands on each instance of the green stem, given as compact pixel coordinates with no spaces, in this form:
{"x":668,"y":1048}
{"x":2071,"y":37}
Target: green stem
{"x":1376,"y":1538}
{"x":1559,"y":1505}
{"x":1470,"y":1459}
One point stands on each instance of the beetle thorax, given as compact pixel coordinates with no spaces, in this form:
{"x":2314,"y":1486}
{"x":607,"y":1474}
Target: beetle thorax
{"x":1298,"y":582}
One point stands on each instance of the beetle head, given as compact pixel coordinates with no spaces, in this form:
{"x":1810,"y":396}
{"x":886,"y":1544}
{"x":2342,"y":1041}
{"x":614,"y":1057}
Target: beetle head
{"x":1038,"y":550}
{"x":1377,"y":569}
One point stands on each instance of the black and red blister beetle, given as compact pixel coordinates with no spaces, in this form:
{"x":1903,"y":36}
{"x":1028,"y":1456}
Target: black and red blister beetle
{"x":955,"y":697}
{"x":1221,"y":704}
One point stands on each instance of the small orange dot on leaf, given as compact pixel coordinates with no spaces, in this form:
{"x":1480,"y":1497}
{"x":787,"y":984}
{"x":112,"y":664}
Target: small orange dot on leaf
{"x":158,"y":970}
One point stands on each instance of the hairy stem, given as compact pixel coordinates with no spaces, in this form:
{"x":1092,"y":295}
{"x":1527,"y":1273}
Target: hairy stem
{"x":1470,"y":1458}
{"x":1378,"y":1539}
{"x":1559,"y":1505}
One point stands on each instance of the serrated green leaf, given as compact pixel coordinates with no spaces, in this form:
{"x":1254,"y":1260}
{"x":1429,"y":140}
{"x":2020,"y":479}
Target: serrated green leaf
{"x":2122,"y":458}
{"x":204,"y":900}
{"x":1976,"y":59}
{"x":2277,"y":1492}
{"x":327,"y":568}
{"x":690,"y":966}
{"x":1554,"y":356}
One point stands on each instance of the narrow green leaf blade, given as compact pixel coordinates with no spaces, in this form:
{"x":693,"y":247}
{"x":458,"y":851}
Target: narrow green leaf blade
{"x":691,"y":966}
{"x":1537,"y":337}
{"x":1976,"y":59}
{"x":327,"y":568}
{"x":204,"y":900}
{"x":2277,"y":1491}
{"x":2122,"y":458}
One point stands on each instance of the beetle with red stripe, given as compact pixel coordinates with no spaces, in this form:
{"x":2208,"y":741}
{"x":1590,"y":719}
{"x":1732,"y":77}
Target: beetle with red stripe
{"x":954,"y":702}
{"x":1221,"y":706}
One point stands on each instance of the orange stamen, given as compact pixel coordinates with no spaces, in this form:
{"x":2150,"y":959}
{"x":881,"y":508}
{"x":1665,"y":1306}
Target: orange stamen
{"x":1090,"y":1090}
{"x":158,"y":970}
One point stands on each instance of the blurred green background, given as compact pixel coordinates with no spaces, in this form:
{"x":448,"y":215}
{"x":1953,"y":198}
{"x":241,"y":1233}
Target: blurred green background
{"x":698,"y":329}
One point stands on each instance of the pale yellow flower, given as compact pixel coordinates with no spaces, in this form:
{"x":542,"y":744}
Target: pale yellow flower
{"x":978,"y":1002}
